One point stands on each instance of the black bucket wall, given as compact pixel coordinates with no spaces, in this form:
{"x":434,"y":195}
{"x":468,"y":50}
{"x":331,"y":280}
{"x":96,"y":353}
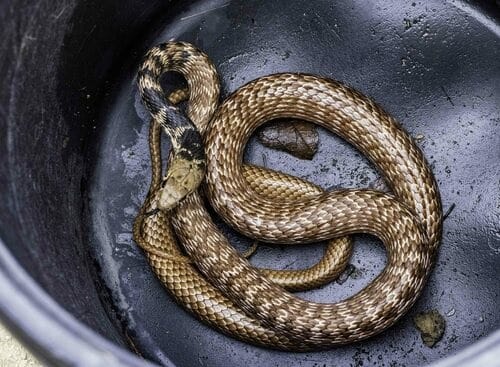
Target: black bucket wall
{"x":75,"y":167}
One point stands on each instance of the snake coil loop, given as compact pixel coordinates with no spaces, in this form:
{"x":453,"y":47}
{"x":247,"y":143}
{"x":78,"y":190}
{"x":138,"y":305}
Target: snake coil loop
{"x":222,"y":288}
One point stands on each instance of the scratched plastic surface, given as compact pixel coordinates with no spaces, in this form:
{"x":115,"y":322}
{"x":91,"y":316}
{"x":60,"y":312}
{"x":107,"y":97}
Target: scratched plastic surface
{"x":422,"y":62}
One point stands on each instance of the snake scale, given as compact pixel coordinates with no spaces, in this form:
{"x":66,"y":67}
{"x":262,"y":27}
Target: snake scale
{"x":205,"y":274}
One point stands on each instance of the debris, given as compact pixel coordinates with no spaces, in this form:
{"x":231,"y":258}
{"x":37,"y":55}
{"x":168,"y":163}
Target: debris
{"x":419,"y":137}
{"x":450,"y":312}
{"x":447,"y":96}
{"x":448,"y":212}
{"x":264,"y":160}
{"x":299,"y":138}
{"x":407,"y":23}
{"x":431,"y":326}
{"x":349,"y":269}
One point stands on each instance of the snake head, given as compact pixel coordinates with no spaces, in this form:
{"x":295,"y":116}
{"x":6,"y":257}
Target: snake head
{"x":183,"y":177}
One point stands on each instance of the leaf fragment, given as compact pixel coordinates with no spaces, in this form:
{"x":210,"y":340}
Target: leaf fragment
{"x":297,"y":137}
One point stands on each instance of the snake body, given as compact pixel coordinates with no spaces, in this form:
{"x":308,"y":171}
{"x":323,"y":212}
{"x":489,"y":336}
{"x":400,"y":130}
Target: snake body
{"x":221,"y":287}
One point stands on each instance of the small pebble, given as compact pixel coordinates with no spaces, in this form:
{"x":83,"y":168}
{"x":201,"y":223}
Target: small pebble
{"x":450,"y":312}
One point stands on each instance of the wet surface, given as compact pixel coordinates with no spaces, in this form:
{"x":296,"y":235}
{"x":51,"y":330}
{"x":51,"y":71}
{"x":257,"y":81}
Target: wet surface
{"x":432,"y":66}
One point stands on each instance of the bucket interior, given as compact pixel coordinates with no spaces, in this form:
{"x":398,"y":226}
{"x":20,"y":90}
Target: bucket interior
{"x":77,"y":178}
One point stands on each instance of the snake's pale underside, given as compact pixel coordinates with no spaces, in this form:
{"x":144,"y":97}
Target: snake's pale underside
{"x":206,"y":275}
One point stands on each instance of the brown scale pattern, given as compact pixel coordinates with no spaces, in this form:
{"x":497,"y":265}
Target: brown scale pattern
{"x":220,"y":286}
{"x":154,"y":234}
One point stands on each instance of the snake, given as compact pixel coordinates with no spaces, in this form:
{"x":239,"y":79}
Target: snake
{"x":205,"y":274}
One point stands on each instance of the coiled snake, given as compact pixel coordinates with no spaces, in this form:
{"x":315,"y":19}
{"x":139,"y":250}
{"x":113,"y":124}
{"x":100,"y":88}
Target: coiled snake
{"x":217,"y":284}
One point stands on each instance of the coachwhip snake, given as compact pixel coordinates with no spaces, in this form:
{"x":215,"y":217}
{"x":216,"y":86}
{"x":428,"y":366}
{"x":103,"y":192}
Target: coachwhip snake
{"x":218,"y":285}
